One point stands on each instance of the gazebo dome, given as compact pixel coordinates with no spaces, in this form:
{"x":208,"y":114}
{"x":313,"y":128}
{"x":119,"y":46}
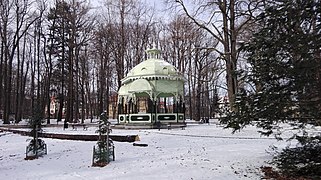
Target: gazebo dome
{"x":152,"y":68}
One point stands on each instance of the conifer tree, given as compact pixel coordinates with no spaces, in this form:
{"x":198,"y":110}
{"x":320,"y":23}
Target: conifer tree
{"x":285,"y":59}
{"x":58,"y":49}
{"x":103,"y":151}
{"x":36,"y":147}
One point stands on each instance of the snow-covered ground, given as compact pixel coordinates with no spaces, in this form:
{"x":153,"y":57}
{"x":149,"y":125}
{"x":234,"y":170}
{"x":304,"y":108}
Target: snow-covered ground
{"x":199,"y":152}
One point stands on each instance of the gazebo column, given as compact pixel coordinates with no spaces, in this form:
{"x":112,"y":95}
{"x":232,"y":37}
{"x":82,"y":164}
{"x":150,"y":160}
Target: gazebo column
{"x":121,"y":109}
{"x":132,"y":107}
{"x":129,"y":103}
{"x":135,"y":105}
{"x":150,"y":109}
{"x":165,"y":105}
{"x":150,"y":106}
{"x":176,"y":108}
{"x":179,"y":105}
{"x":120,"y":105}
{"x":155,"y":109}
{"x":135,"y":108}
{"x":183,"y":108}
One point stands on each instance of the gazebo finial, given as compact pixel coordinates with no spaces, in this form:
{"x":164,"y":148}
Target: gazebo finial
{"x":153,"y":52}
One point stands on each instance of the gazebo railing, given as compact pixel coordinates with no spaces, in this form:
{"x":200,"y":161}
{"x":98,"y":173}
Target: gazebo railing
{"x":150,"y":118}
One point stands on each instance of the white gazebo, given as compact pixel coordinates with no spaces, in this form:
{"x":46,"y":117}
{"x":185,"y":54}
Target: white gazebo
{"x":152,"y":94}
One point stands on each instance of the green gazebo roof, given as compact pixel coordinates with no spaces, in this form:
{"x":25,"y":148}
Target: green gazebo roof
{"x":152,"y":67}
{"x":154,"y":77}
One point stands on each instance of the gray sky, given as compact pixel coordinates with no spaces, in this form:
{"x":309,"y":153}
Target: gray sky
{"x":158,"y":5}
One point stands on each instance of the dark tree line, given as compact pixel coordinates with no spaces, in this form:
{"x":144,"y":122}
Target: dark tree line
{"x":78,"y":55}
{"x":17,"y":21}
{"x":65,"y":52}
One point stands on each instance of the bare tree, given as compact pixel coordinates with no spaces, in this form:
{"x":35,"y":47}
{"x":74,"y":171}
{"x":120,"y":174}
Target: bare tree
{"x":120,"y":43}
{"x":16,"y":19}
{"x":224,"y":20}
{"x":117,"y":13}
{"x":180,"y":42}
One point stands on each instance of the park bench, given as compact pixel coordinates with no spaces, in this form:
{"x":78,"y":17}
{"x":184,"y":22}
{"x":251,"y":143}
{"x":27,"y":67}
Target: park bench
{"x":75,"y":125}
{"x":171,"y":125}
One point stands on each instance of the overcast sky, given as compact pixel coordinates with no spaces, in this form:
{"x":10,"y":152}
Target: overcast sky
{"x":158,"y":5}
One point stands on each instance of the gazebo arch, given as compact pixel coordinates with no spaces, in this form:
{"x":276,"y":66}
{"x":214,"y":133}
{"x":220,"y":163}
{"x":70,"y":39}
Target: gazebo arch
{"x":140,"y":86}
{"x":152,"y":93}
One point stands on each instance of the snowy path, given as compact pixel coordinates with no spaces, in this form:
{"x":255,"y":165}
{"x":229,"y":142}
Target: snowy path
{"x":200,"y":152}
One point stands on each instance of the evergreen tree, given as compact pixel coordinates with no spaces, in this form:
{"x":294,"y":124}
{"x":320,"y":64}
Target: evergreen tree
{"x":58,"y":49}
{"x":284,"y":56}
{"x":36,"y":147}
{"x":285,"y":59}
{"x":103,"y":152}
{"x":70,"y":31}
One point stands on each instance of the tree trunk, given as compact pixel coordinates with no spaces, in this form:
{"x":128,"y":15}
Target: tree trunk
{"x":234,"y":83}
{"x":17,"y":96}
{"x":107,"y":92}
{"x":229,"y":50}
{"x":22,"y":83}
{"x":5,"y":87}
{"x":1,"y":78}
